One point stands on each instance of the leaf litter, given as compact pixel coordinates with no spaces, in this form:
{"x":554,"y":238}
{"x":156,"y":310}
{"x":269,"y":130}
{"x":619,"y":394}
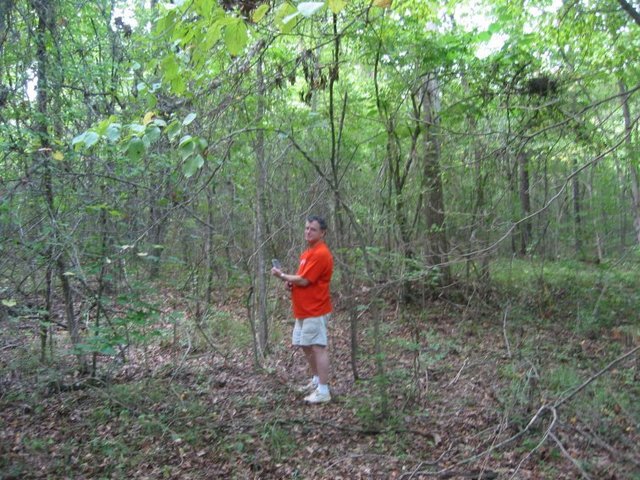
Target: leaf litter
{"x":454,"y":406}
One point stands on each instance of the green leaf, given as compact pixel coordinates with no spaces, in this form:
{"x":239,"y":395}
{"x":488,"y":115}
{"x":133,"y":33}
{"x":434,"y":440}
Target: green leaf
{"x":337,"y":6}
{"x":212,"y":36}
{"x":192,"y":165}
{"x":307,"y":9}
{"x":483,"y":36}
{"x":135,"y":149}
{"x":235,"y":37}
{"x":178,"y":86}
{"x":173,"y":130}
{"x":288,"y":21}
{"x":495,"y":27}
{"x":152,"y":135}
{"x":90,"y":139}
{"x":260,"y":12}
{"x":78,"y":139}
{"x":137,"y":128}
{"x":170,"y":67}
{"x":113,"y":132}
{"x":188,"y":119}
{"x":186,"y":147}
{"x":184,"y":140}
{"x":108,"y":350}
{"x":284,"y":18}
{"x":202,"y":143}
{"x":102,"y":126}
{"x":9,"y":303}
{"x":152,"y":100}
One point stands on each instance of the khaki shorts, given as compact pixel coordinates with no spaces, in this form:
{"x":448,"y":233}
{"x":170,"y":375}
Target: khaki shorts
{"x":310,"y":331}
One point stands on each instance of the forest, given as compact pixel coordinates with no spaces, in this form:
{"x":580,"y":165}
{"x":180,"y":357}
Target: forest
{"x":478,"y":165}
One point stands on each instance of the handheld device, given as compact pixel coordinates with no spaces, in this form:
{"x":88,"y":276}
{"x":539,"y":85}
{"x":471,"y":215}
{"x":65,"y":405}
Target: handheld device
{"x":276,"y":264}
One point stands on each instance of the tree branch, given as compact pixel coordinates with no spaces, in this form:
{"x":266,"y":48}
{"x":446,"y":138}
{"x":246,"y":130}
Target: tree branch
{"x":633,"y":13}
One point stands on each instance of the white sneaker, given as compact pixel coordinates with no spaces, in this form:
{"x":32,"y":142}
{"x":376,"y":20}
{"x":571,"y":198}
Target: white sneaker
{"x":317,"y":397}
{"x":306,"y":388}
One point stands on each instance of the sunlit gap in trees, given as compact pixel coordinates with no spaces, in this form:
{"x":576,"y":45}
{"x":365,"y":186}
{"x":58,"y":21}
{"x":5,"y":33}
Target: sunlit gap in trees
{"x":478,"y":16}
{"x":125,"y":14}
{"x":123,"y":10}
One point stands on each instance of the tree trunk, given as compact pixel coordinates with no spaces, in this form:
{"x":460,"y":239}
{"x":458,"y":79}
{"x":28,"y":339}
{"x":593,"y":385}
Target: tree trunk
{"x":44,"y":326}
{"x":46,"y":22}
{"x":158,"y":220}
{"x":260,"y":222}
{"x":210,"y":247}
{"x":599,"y":242}
{"x":635,"y":177}
{"x":525,"y":201}
{"x":577,"y":213}
{"x":436,"y":233}
{"x":397,"y":173}
{"x":479,"y":230}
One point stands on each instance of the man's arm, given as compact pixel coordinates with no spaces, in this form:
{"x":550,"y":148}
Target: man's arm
{"x":293,"y":279}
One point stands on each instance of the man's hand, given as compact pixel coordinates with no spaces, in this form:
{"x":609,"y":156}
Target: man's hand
{"x":276,"y":272}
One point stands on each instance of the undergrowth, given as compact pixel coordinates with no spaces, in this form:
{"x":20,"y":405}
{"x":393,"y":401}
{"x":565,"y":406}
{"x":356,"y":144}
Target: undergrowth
{"x":429,"y":379}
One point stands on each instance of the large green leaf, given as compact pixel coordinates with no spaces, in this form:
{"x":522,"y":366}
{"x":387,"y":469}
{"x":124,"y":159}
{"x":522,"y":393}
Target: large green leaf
{"x":260,"y":12}
{"x":137,"y":128}
{"x":178,"y":85}
{"x":192,"y":165}
{"x":173,"y":130}
{"x":135,"y":149}
{"x":235,"y":37}
{"x":170,"y":67}
{"x":336,"y":6}
{"x":186,"y":147}
{"x":483,"y":36}
{"x":90,"y":139}
{"x":113,"y":132}
{"x":152,"y":135}
{"x":285,"y":17}
{"x":189,"y":118}
{"x":78,"y":139}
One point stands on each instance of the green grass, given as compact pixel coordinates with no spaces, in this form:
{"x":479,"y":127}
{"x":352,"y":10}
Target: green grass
{"x":570,"y":319}
{"x":221,"y":328}
{"x":278,"y":441}
{"x":582,"y":297}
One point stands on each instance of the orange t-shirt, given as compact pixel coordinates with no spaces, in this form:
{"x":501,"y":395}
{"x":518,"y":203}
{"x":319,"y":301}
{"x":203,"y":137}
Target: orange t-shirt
{"x":316,"y":266}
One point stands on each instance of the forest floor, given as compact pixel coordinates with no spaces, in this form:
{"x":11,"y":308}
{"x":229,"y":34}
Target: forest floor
{"x":444,"y":392}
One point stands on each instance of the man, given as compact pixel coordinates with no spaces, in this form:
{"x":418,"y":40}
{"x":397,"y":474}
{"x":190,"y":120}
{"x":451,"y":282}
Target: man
{"x":311,"y":303}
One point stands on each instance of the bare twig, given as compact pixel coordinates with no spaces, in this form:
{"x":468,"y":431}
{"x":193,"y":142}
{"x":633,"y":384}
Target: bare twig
{"x":455,"y":379}
{"x":592,"y":437}
{"x":576,"y":390}
{"x":544,"y":437}
{"x":182,"y":360}
{"x":597,"y":305}
{"x":504,"y":330}
{"x":571,"y":459}
{"x":632,"y":12}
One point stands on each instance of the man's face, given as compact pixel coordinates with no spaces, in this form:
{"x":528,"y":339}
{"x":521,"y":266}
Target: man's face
{"x":312,"y":232}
